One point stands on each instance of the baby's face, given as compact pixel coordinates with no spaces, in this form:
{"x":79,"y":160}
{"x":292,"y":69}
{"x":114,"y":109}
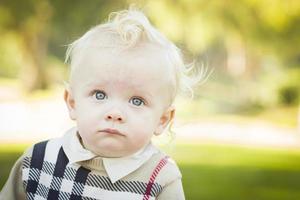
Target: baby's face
{"x":119,"y":102}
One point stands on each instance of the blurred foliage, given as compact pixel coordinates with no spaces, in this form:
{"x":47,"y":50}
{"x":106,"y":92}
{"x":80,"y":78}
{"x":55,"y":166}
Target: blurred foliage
{"x":43,"y":28}
{"x":289,"y":95}
{"x":289,"y":90}
{"x":267,"y":24}
{"x":9,"y":49}
{"x":252,"y":45}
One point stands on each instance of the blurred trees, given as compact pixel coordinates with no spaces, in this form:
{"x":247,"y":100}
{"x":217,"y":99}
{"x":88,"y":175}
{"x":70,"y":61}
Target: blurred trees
{"x":42,"y":28}
{"x":254,"y":44}
{"x":29,"y":20}
{"x":271,"y":25}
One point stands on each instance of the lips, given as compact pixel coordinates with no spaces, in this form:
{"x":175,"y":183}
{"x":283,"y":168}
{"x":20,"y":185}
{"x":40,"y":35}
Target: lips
{"x":111,"y":131}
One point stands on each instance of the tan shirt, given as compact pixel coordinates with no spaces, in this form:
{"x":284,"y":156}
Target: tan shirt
{"x":125,"y":168}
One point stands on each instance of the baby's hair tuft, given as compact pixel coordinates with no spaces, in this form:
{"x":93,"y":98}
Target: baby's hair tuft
{"x":127,"y":29}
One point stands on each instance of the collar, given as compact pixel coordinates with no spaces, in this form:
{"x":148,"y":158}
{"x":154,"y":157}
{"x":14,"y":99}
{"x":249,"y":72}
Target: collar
{"x":116,"y":168}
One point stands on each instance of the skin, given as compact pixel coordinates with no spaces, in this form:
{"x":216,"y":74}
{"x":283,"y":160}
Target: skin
{"x":120,"y":100}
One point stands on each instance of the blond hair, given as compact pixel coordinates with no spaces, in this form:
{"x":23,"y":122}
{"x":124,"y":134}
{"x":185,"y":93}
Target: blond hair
{"x":127,"y":29}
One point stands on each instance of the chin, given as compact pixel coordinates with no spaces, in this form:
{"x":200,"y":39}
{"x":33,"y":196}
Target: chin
{"x":112,"y":154}
{"x":108,"y":150}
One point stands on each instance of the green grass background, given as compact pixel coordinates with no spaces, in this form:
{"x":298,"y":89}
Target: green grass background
{"x":219,"y":172}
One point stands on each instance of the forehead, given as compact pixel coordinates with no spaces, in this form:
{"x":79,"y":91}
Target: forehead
{"x":136,"y":66}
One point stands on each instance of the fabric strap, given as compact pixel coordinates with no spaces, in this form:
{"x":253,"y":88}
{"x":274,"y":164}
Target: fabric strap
{"x":153,"y":176}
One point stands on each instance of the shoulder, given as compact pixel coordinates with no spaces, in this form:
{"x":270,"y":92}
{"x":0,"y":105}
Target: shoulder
{"x":47,"y":149}
{"x":169,"y":172}
{"x":52,"y":144}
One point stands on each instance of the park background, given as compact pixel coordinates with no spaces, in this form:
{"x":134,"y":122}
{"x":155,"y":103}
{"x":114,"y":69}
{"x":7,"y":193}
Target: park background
{"x":237,"y":139}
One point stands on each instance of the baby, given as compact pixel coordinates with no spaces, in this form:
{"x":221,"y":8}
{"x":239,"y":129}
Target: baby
{"x":124,"y":76}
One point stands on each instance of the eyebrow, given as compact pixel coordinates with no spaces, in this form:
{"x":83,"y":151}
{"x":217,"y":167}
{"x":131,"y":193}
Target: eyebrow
{"x":147,"y":95}
{"x":138,"y":92}
{"x":93,"y":84}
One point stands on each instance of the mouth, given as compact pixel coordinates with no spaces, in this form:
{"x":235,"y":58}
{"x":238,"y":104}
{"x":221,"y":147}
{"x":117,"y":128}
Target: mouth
{"x":111,"y":131}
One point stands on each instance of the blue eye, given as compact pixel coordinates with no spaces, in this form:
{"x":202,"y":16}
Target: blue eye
{"x":100,"y":95}
{"x":137,"y":101}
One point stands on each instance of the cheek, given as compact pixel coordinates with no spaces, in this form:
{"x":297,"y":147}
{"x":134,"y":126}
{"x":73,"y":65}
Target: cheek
{"x":141,"y":136}
{"x":86,"y":117}
{"x":145,"y":124}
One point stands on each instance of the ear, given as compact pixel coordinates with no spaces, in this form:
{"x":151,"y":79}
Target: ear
{"x":70,"y":102}
{"x":165,"y":119}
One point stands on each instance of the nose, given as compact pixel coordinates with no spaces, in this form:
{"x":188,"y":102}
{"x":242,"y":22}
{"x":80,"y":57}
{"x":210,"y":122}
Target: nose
{"x":115,"y":115}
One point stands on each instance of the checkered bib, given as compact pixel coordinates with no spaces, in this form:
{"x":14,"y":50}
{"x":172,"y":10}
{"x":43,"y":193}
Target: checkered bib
{"x":47,"y":174}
